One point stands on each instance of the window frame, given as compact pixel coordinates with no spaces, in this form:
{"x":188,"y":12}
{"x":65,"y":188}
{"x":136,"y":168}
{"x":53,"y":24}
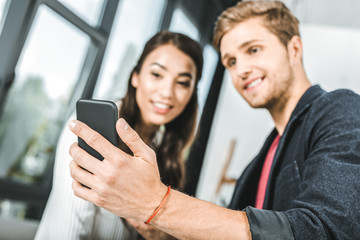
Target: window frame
{"x":18,"y":20}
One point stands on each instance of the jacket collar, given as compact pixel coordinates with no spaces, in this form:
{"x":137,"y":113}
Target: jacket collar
{"x":303,"y":105}
{"x":305,"y":102}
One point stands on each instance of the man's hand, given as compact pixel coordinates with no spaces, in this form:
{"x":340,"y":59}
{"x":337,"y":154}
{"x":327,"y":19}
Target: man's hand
{"x":128,"y":186}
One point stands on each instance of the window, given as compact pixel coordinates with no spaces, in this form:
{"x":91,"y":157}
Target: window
{"x":89,"y":10}
{"x":126,"y":43}
{"x":210,"y":62}
{"x":2,"y":11}
{"x":46,"y":75}
{"x":2,"y":7}
{"x":181,"y":23}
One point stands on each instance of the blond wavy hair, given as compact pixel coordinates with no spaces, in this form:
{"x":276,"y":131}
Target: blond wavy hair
{"x":278,"y":19}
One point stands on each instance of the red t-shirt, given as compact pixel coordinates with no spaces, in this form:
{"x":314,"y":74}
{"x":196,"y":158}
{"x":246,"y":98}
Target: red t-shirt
{"x":260,"y":196}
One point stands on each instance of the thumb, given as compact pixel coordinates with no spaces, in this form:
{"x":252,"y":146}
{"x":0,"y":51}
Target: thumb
{"x":132,"y":139}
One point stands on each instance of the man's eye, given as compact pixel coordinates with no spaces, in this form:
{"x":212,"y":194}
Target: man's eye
{"x":254,"y":50}
{"x":231,"y":62}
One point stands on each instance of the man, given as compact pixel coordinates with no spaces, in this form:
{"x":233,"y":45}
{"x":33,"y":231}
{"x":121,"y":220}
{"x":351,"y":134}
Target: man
{"x":304,"y":182}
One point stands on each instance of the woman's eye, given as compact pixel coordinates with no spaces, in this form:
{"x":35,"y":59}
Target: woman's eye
{"x":156,"y":75}
{"x":184,"y":83}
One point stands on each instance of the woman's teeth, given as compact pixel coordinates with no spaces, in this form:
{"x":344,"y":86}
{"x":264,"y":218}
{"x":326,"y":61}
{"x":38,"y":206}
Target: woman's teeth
{"x":161,"y":105}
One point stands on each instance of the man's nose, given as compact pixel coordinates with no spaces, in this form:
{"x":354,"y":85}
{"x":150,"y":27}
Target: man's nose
{"x":243,"y":69}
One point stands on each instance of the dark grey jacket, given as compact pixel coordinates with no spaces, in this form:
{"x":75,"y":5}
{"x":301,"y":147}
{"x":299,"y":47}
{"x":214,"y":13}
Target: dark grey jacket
{"x":314,"y":184}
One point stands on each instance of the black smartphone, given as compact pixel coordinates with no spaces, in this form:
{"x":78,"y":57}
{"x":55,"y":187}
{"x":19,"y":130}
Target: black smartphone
{"x":101,"y":116}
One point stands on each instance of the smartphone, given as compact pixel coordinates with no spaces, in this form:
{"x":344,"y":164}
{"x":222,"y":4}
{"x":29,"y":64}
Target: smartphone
{"x":101,"y":116}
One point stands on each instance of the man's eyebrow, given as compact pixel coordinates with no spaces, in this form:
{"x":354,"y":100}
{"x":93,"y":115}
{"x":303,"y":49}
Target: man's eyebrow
{"x":243,"y":45}
{"x":247,"y":43}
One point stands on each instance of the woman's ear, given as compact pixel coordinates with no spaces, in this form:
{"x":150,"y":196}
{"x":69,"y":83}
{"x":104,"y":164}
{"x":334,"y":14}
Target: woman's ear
{"x":135,"y":80}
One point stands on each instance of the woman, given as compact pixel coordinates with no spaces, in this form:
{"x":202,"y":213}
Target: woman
{"x":161,"y":105}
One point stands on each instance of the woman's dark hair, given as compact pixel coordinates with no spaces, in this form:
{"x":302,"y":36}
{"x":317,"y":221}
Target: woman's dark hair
{"x":180,"y":131}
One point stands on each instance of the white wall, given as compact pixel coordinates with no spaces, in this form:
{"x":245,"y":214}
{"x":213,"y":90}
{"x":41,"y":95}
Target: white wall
{"x":332,"y":56}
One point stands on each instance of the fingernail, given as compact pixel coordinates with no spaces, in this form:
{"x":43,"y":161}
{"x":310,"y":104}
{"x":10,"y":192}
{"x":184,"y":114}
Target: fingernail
{"x":123,"y":124}
{"x":72,"y":124}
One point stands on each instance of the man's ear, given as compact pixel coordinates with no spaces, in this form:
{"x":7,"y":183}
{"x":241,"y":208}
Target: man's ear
{"x":135,"y":80}
{"x":295,"y":49}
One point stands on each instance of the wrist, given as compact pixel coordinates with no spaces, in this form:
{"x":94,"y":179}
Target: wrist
{"x":159,"y":200}
{"x":163,"y":201}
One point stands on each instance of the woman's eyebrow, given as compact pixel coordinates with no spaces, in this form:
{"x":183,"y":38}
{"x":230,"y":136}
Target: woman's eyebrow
{"x":186,"y":74}
{"x":158,"y":64}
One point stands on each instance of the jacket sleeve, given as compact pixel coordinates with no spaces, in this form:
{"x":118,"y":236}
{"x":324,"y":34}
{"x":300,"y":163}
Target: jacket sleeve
{"x":269,"y":225}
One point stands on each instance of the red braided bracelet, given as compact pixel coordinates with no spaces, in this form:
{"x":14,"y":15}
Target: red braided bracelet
{"x":158,"y":208}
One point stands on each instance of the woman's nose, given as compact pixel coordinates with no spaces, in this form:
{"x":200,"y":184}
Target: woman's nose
{"x":167,"y":88}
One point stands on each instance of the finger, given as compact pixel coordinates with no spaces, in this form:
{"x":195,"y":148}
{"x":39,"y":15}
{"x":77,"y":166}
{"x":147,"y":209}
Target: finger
{"x":133,"y":141}
{"x":94,"y":139}
{"x":82,"y":176}
{"x":83,"y":159}
{"x":84,"y":192}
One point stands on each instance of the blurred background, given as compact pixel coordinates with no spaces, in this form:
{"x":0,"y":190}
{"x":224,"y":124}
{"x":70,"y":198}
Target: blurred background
{"x":52,"y":52}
